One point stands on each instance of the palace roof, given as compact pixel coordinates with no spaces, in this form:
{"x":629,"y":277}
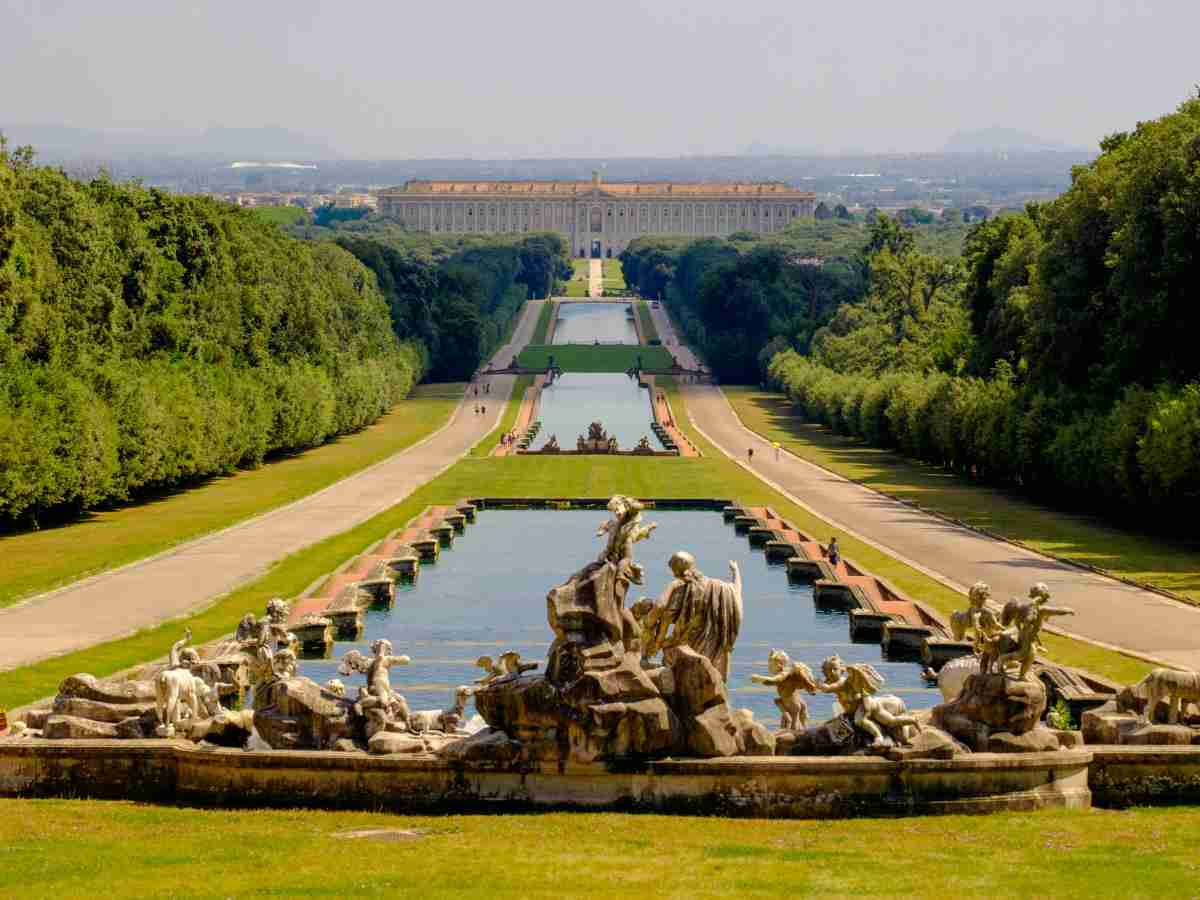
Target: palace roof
{"x":646,"y":189}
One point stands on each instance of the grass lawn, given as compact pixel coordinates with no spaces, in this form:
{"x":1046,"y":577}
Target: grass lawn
{"x":580,"y":269}
{"x":73,"y":848}
{"x":612,"y":274}
{"x":576,"y":289}
{"x":711,"y":476}
{"x":1161,"y":561}
{"x":35,"y":561}
{"x":599,"y":358}
{"x":649,"y":330}
{"x":279,"y":215}
{"x":545,"y":316}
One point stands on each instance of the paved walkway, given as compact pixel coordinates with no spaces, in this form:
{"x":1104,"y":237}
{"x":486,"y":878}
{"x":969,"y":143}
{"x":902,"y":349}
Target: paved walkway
{"x":190,"y":576}
{"x":595,"y":278}
{"x":1106,"y":610}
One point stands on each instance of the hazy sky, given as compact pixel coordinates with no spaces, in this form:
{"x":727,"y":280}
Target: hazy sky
{"x":612,"y":77}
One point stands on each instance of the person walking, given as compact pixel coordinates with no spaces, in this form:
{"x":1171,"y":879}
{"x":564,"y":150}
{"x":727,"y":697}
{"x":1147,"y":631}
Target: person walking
{"x":750,"y":454}
{"x":834,"y":552}
{"x":776,"y":446}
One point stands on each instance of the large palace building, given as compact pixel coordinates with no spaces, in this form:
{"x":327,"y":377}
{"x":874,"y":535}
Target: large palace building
{"x":598,"y":219}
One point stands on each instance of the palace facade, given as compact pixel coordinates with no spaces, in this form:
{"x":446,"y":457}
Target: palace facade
{"x":598,"y":219}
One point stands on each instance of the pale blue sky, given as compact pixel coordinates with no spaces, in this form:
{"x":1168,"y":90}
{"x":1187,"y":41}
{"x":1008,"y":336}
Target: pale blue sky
{"x":612,"y":77}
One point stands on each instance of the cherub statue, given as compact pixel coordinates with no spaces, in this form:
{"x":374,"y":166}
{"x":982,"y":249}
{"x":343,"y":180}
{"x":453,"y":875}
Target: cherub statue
{"x":697,"y":611}
{"x":624,"y":530}
{"x":854,"y":686}
{"x":278,"y":611}
{"x":1028,"y":617}
{"x":378,"y":694}
{"x":977,"y":619}
{"x":283,"y":664}
{"x":508,"y":663}
{"x":789,"y":679}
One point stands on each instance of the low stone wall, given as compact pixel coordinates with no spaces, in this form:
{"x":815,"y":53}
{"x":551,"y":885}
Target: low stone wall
{"x":775,"y":787}
{"x":1122,"y":776}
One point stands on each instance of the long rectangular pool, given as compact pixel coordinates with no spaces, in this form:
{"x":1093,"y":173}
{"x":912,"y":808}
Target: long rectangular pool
{"x":588,"y":323}
{"x":487,"y":594}
{"x":576,"y":399}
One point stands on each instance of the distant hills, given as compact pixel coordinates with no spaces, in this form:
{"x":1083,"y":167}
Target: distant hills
{"x":1004,"y":140}
{"x":265,"y":142}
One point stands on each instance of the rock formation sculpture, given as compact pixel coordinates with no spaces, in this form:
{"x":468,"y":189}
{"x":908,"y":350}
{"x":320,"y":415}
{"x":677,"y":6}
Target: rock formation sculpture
{"x":597,"y":441}
{"x":600,"y":696}
{"x":789,"y":679}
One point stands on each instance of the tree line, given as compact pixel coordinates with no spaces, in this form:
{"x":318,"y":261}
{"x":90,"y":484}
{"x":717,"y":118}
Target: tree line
{"x":1057,"y":355}
{"x":147,"y":340}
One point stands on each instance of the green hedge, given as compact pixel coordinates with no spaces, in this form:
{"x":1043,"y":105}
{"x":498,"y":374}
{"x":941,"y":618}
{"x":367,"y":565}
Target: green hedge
{"x":1141,"y":454}
{"x":147,"y":340}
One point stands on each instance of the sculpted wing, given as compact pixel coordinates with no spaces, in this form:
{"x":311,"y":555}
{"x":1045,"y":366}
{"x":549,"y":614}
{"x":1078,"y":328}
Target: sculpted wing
{"x":354,"y":662}
{"x":864,"y":678}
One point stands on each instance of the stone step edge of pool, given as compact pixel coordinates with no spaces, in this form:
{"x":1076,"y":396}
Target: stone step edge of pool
{"x":172,"y":771}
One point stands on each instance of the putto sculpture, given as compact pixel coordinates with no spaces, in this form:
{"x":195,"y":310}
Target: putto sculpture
{"x":381,"y":705}
{"x":1027,"y":618}
{"x":883,"y":718}
{"x":508,"y":663}
{"x":788,"y":679}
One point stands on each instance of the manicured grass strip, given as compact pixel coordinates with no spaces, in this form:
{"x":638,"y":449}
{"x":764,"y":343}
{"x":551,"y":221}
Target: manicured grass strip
{"x":594,"y":358}
{"x":35,"y":561}
{"x":576,"y":289}
{"x":66,"y":848}
{"x":545,"y":316}
{"x":580,"y":269}
{"x":649,"y":330}
{"x":1161,"y":561}
{"x":713,"y":475}
{"x":613,"y":276}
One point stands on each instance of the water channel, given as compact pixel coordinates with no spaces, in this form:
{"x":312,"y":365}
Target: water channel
{"x":576,"y":399}
{"x":487,"y":594}
{"x":587,"y":323}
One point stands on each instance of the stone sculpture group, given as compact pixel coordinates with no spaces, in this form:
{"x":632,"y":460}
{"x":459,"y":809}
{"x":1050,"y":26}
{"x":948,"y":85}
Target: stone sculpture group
{"x":644,"y":679}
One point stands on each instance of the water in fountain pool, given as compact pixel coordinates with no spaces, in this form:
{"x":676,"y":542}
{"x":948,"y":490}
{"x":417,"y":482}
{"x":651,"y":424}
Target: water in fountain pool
{"x":487,"y":594}
{"x":577,"y":399}
{"x":584,"y":323}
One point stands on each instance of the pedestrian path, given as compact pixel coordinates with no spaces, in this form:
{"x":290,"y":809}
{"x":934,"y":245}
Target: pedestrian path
{"x":595,"y":278}
{"x":188,"y":577}
{"x":1107,"y":611}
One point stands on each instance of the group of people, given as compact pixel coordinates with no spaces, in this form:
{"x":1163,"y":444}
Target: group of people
{"x":487,"y":388}
{"x":508,"y":439}
{"x":480,"y":410}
